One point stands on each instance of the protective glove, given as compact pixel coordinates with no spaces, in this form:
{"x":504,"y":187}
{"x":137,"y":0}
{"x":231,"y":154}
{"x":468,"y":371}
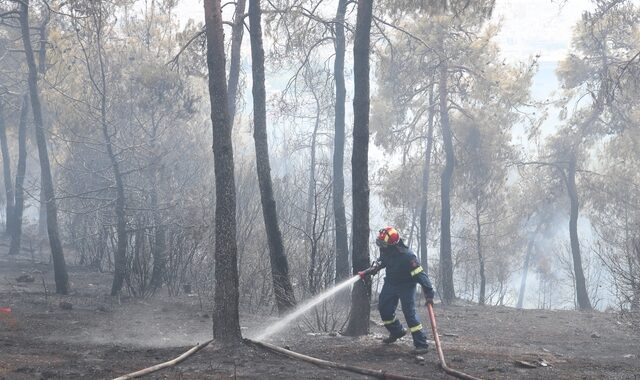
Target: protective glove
{"x":371,"y":271}
{"x":428,"y":296}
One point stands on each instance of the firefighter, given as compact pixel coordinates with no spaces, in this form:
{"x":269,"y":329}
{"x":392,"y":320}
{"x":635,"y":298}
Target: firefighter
{"x":403,"y":272}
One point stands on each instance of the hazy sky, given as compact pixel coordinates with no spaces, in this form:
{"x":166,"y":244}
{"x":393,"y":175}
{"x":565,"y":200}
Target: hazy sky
{"x":530,"y":27}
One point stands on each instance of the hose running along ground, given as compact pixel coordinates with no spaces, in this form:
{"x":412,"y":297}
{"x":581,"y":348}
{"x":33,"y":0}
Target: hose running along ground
{"x":170,"y":363}
{"x":320,"y":362}
{"x":325,"y":363}
{"x":436,"y":338}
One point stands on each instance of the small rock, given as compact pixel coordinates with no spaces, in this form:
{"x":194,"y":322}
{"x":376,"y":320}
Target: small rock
{"x":64,"y":305}
{"x":26,"y":278}
{"x":419,"y":359}
{"x":333,"y":333}
{"x":595,"y":335}
{"x":629,"y":356}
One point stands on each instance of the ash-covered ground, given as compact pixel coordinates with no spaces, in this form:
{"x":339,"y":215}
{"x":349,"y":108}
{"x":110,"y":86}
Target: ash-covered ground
{"x":101,"y":338}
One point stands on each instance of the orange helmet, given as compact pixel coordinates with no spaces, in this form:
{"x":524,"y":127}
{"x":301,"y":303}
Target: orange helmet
{"x":387,"y":236}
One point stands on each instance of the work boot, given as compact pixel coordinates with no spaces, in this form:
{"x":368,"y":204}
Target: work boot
{"x":392,"y":338}
{"x":420,"y":350}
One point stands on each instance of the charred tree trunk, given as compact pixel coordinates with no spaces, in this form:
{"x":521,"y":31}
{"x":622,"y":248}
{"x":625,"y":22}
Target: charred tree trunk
{"x":446,"y":262}
{"x":581,"y":288}
{"x":483,"y":278}
{"x":342,"y":244}
{"x":6,"y":170}
{"x":42,"y":213}
{"x":42,"y":68}
{"x":237,"y":33}
{"x":279,"y":265}
{"x":525,"y":265}
{"x":425,"y":186}
{"x":159,"y":240}
{"x":226,"y":318}
{"x":360,"y":296}
{"x":120,"y":256}
{"x":312,"y":209}
{"x":16,"y":232}
{"x":59,"y":265}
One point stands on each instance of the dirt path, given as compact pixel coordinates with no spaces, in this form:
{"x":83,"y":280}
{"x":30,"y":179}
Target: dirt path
{"x":100,"y":338}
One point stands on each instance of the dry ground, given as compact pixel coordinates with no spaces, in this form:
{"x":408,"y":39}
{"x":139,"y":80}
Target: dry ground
{"x":100,"y":338}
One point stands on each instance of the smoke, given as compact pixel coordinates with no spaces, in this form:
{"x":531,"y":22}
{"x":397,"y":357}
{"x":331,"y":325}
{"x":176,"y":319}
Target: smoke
{"x":141,"y":325}
{"x":550,"y":282}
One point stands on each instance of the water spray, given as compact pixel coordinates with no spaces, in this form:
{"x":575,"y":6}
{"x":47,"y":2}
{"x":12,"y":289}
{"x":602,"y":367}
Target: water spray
{"x":304,"y":307}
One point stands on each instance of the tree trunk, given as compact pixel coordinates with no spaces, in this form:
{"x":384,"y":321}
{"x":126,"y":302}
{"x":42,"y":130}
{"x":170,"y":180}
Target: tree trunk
{"x":237,"y":31}
{"x":42,"y":213}
{"x":360,"y":296}
{"x":120,"y":256}
{"x":159,"y":240}
{"x":425,"y":186}
{"x":279,"y":267}
{"x":16,"y":232}
{"x":42,"y":68}
{"x":446,"y":262}
{"x":226,"y":318}
{"x":525,"y":265}
{"x":581,"y":288}
{"x":59,"y":265}
{"x":342,"y":244}
{"x":483,"y":278}
{"x":312,"y":209}
{"x":6,"y":169}
{"x":159,"y":246}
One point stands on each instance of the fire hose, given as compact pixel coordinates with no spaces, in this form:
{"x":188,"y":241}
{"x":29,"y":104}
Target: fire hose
{"x":436,"y":338}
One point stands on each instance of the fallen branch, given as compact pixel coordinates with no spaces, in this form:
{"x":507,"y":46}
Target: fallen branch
{"x":170,"y":363}
{"x":324,"y":363}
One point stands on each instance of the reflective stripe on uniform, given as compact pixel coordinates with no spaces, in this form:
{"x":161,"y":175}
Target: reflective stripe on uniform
{"x":416,"y":328}
{"x":416,"y":271}
{"x":389,"y":322}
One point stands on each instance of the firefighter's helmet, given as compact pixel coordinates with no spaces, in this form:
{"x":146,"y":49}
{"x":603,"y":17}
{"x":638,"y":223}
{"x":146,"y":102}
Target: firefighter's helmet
{"x":387,"y":236}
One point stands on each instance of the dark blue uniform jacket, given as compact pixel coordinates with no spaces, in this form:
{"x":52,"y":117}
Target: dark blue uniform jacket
{"x":403,"y":268}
